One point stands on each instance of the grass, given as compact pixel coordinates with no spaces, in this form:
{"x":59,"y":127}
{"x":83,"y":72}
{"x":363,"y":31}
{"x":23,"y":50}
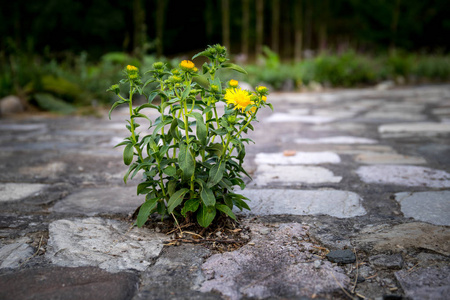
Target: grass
{"x":66,"y":85}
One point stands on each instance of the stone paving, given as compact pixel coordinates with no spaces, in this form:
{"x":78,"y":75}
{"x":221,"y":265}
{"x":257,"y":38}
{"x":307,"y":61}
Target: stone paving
{"x":364,"y":173}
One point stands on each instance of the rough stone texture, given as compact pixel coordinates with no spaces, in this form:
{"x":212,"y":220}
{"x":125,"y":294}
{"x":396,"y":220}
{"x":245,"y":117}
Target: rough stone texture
{"x":341,"y":256}
{"x":18,"y":191}
{"x":415,"y":128}
{"x":404,"y":175}
{"x":394,"y":115}
{"x":291,"y":175}
{"x":67,"y":283}
{"x":275,"y":266}
{"x":340,"y":204}
{"x":175,"y":273}
{"x":388,"y":159}
{"x":337,"y":140}
{"x":394,"y":261}
{"x":409,"y":235}
{"x":281,"y":117}
{"x":12,"y":255}
{"x":92,"y":202}
{"x":431,"y":207}
{"x":107,"y":244}
{"x":425,"y":283}
{"x":11,"y":105}
{"x":52,"y":170}
{"x":300,"y":158}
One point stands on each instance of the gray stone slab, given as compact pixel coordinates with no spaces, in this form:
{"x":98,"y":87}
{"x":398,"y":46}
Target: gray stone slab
{"x":51,"y":170}
{"x":431,"y":207}
{"x":283,"y":117}
{"x":404,"y":175}
{"x":394,"y":115}
{"x":68,"y":283}
{"x":12,"y":255}
{"x":340,"y":204}
{"x":300,"y":158}
{"x":415,"y":235}
{"x":394,"y":261}
{"x":337,"y":140}
{"x":415,"y":128}
{"x":273,"y":266}
{"x":431,"y":283}
{"x":18,"y":191}
{"x":109,"y":200}
{"x":372,"y":158}
{"x":108,"y":244}
{"x":291,"y":175}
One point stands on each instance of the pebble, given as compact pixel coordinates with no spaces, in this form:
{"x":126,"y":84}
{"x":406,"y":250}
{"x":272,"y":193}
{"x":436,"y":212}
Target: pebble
{"x":341,"y":256}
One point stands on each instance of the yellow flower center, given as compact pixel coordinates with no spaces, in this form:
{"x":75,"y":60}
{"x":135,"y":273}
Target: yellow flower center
{"x":264,"y":98}
{"x":239,"y":98}
{"x":131,"y":68}
{"x":187,"y":64}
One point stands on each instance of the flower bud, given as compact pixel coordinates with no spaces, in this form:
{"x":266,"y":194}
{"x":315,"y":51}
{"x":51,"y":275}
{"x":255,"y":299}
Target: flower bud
{"x":214,"y":88}
{"x":158,"y":65}
{"x":187,"y":65}
{"x":233,"y":83}
{"x":262,"y":89}
{"x":231,"y":119}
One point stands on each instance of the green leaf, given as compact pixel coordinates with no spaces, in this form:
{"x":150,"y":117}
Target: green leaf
{"x":186,"y":161}
{"x":270,"y":105}
{"x":207,"y":196}
{"x":146,"y":105}
{"x":128,"y":153}
{"x":215,"y":149}
{"x":171,"y":186}
{"x":234,"y":67}
{"x":138,"y":115}
{"x":142,"y":187}
{"x":176,"y":199}
{"x":145,"y":211}
{"x":225,"y":209}
{"x":203,"y":53}
{"x":186,"y":93}
{"x":130,"y":169}
{"x":201,"y":127}
{"x":51,"y":103}
{"x":161,"y":125}
{"x":170,"y":171}
{"x":206,"y":215}
{"x":117,"y":103}
{"x":216,"y":174}
{"x":190,"y":205}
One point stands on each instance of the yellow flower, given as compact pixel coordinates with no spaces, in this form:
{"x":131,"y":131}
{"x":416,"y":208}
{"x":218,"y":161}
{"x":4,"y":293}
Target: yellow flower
{"x":233,"y":83}
{"x":264,"y":98}
{"x":251,"y":110}
{"x":239,"y":98}
{"x":132,"y":72}
{"x":131,"y":68}
{"x":187,"y":65}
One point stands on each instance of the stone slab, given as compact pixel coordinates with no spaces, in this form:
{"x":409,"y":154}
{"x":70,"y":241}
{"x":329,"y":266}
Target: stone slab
{"x":300,"y":158}
{"x":430,"y":207}
{"x":339,"y":204}
{"x":109,"y":244}
{"x":18,"y":191}
{"x":337,"y":140}
{"x":431,"y":283}
{"x":415,"y":128}
{"x":68,"y":283}
{"x":51,"y":170}
{"x":291,"y":175}
{"x":283,"y":117}
{"x":404,"y":175}
{"x":12,"y":255}
{"x":94,"y":201}
{"x":372,"y":158}
{"x":415,"y":235}
{"x":394,"y":115}
{"x":273,"y":266}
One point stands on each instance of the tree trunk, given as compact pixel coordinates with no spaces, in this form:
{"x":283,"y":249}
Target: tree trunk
{"x":160,"y":12}
{"x":275,"y":26}
{"x":209,"y":20}
{"x":245,"y":28}
{"x":226,"y":23}
{"x":298,"y":17}
{"x":323,"y":25}
{"x":138,"y":28}
{"x":287,"y":28}
{"x":308,"y":25}
{"x":394,"y":25}
{"x":259,"y":27}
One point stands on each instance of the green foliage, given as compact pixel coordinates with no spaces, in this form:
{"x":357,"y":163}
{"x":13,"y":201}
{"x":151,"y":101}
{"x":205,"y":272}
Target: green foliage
{"x":191,"y":157}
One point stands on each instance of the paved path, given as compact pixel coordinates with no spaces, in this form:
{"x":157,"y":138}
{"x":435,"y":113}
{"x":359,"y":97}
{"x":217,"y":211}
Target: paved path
{"x":360,"y":172}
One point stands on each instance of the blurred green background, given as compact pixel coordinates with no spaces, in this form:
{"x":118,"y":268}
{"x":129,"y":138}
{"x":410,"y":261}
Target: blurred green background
{"x":61,"y":55}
